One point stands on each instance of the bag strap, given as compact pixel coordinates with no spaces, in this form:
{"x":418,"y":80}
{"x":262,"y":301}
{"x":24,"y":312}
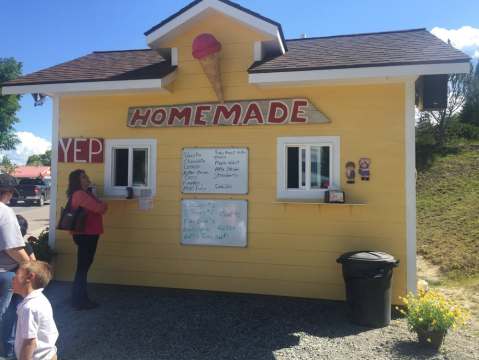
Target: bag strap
{"x":69,"y":202}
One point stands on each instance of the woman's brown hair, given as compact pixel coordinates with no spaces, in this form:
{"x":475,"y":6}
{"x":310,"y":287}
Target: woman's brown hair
{"x":74,"y":181}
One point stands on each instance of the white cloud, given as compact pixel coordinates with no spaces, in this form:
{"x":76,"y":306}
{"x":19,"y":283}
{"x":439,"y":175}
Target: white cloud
{"x":465,"y":38}
{"x":30,"y":144}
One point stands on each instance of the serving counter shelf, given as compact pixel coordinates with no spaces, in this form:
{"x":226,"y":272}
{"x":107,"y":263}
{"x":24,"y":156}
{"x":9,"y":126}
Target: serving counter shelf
{"x":318,"y":203}
{"x":112,"y":198}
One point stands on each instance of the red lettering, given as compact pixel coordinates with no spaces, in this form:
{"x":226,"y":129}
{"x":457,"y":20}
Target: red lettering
{"x":199,"y":114}
{"x":158,"y":117}
{"x":297,"y":114}
{"x":273,"y":116}
{"x":184,"y":115}
{"x":141,"y":117}
{"x":253,"y":112}
{"x":80,"y":150}
{"x":223,"y":111}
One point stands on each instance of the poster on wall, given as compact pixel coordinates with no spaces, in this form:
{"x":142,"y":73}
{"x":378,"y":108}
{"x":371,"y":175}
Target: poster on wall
{"x":214,"y":222}
{"x":215,"y":170}
{"x":80,"y":150}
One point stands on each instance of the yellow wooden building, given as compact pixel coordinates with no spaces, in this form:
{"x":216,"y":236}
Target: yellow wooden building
{"x":296,"y":115}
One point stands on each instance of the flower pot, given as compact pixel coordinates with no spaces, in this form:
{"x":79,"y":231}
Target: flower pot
{"x":432,"y":339}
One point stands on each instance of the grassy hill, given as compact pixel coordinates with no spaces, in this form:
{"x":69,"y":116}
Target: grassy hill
{"x":448,"y":213}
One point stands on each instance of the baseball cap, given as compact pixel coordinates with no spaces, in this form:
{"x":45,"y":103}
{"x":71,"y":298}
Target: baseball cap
{"x":7,"y":182}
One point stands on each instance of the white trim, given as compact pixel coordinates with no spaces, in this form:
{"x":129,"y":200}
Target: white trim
{"x":410,"y":184}
{"x":151,"y":144}
{"x":372,"y":73}
{"x":92,"y":87}
{"x":258,"y":51}
{"x":174,"y":56}
{"x":54,"y":172}
{"x":282,"y":192}
{"x":174,"y":26}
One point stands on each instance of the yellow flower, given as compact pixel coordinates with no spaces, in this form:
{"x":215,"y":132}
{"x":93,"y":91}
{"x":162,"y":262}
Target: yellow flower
{"x":428,"y":339}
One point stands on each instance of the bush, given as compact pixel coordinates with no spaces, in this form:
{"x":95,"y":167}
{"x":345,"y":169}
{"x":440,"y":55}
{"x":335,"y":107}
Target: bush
{"x":460,"y":130}
{"x":40,"y":246}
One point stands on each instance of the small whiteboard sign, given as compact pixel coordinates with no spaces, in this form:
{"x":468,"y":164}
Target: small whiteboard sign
{"x":215,"y":170}
{"x":214,"y":222}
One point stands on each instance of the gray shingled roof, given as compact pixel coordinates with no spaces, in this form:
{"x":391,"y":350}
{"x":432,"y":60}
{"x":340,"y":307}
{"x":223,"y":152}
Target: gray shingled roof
{"x":407,"y":47}
{"x":102,"y":66}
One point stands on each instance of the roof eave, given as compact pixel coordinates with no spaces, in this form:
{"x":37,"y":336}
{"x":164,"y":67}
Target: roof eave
{"x":91,"y":87}
{"x":373,"y":74}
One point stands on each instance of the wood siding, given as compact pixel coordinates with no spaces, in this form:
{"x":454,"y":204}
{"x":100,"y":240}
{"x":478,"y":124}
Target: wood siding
{"x":291,"y":247}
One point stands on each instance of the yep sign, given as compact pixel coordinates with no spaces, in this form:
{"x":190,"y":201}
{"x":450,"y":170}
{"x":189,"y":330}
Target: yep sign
{"x":80,"y":150}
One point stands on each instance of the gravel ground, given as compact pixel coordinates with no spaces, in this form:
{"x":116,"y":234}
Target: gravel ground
{"x":156,"y":323}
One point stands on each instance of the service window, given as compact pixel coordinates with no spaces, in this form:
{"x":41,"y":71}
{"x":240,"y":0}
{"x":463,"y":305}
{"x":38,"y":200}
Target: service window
{"x":307,"y":167}
{"x":130,"y":163}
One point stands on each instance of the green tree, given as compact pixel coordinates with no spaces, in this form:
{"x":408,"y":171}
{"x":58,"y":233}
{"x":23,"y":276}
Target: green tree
{"x":9,"y":104}
{"x":458,"y":90}
{"x":470,"y":111}
{"x":41,"y":159}
{"x":6,"y":165}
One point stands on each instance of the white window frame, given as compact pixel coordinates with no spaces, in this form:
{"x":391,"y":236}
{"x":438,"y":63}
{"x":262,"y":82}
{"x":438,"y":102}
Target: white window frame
{"x":282,"y":191}
{"x":120,"y":191}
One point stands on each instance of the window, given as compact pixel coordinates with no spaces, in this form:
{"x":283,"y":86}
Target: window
{"x":130,"y":163}
{"x":307,"y":167}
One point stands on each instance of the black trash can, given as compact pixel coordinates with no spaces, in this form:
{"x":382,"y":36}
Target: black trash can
{"x":367,"y":276}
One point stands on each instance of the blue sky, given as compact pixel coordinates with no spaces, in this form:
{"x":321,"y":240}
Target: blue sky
{"x":44,"y":33}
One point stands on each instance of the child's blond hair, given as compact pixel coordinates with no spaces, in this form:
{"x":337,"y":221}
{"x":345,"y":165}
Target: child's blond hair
{"x":42,"y":270}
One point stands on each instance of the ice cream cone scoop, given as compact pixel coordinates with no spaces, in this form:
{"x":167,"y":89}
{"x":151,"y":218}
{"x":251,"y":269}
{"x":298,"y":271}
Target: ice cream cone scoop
{"x":206,"y":49}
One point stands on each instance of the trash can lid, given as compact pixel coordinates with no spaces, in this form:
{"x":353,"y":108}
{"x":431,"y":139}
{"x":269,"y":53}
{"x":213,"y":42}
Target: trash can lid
{"x":367,"y":257}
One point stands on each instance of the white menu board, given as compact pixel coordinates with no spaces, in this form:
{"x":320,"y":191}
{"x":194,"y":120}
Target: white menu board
{"x":215,"y":170}
{"x":214,"y":222}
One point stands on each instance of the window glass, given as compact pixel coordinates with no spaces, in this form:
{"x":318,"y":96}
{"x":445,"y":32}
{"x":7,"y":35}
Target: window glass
{"x":315,"y":166}
{"x":120,"y":167}
{"x":308,"y":166}
{"x":325,"y":167}
{"x":293,"y":167}
{"x":303,"y":167}
{"x":31,"y":182}
{"x":140,"y":167}
{"x":320,"y":167}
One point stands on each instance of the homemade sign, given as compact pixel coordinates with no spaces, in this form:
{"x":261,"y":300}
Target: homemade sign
{"x":240,"y":113}
{"x":215,"y":170}
{"x":80,"y":150}
{"x":214,"y":222}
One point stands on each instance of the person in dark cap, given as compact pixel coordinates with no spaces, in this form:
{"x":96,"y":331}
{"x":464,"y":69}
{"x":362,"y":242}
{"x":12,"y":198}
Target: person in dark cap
{"x":12,"y":245}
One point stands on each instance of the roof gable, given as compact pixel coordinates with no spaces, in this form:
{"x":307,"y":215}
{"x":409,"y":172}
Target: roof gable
{"x":171,"y":25}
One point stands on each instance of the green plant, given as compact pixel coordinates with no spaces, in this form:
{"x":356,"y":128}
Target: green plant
{"x":40,"y":246}
{"x":431,"y":311}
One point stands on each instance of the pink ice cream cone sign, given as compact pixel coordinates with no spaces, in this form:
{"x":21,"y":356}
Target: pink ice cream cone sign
{"x":206,"y":49}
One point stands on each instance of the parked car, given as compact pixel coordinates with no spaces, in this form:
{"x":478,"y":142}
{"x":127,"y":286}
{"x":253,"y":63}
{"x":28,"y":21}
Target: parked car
{"x":32,"y":191}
